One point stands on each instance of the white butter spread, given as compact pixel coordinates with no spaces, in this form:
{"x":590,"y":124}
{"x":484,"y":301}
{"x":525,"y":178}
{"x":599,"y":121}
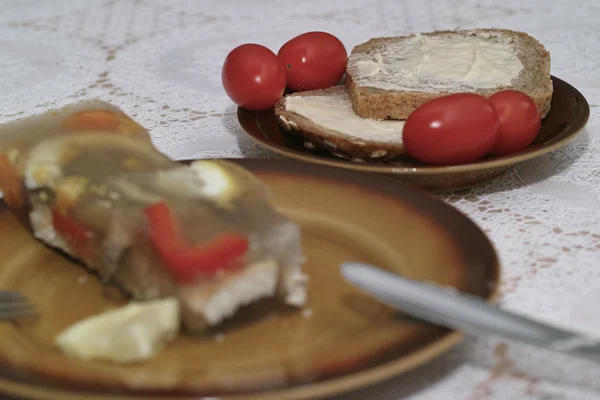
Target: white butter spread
{"x":434,"y":63}
{"x":334,"y":112}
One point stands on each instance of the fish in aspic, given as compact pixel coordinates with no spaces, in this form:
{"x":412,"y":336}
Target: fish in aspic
{"x":95,"y":187}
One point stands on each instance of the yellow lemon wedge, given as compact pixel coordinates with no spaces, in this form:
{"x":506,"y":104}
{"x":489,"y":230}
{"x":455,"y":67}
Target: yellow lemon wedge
{"x":133,"y":333}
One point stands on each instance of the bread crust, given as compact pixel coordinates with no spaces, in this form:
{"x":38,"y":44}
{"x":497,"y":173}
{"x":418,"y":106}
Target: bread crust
{"x":338,"y":144}
{"x":533,"y":80}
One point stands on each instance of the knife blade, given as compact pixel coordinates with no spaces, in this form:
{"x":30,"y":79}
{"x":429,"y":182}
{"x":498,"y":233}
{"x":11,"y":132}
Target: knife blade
{"x":465,"y":312}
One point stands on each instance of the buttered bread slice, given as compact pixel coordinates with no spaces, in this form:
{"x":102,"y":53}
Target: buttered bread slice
{"x":387,"y":78}
{"x":326,"y":120}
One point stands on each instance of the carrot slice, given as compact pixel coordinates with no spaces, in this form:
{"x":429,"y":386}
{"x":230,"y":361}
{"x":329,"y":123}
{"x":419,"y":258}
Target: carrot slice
{"x":10,"y":184}
{"x":93,"y":120}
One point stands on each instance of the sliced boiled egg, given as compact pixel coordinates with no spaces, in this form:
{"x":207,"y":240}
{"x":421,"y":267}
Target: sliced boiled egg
{"x":217,"y":181}
{"x":46,"y":161}
{"x":224,"y":181}
{"x":208,"y":179}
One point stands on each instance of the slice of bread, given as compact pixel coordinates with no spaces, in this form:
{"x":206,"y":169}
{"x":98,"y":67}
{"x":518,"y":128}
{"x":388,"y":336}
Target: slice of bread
{"x":326,"y":121}
{"x":430,"y":65}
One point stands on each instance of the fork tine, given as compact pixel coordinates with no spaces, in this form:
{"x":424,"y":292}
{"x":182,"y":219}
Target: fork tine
{"x":10,"y":307}
{"x":7,"y":295}
{"x":14,"y":305}
{"x":5,"y":316}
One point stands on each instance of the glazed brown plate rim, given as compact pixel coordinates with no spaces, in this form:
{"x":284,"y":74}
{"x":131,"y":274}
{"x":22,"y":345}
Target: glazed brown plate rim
{"x":352,"y":380}
{"x":575,"y":126}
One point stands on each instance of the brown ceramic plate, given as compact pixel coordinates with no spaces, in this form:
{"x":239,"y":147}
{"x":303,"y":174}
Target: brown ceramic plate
{"x":269,"y":352}
{"x":567,"y":117}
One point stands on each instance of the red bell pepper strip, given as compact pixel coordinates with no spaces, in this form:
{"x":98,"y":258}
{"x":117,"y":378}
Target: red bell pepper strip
{"x":77,"y":236}
{"x":187,"y":262}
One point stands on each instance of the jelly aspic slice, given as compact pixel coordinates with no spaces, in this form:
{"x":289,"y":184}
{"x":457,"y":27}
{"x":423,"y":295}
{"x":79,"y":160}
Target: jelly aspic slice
{"x":205,"y":234}
{"x":17,"y":137}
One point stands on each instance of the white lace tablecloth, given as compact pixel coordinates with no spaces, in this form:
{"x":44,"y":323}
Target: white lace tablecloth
{"x":160,"y":61}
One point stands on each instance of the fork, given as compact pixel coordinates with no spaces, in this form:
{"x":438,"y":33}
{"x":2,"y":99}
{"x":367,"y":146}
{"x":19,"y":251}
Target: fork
{"x":14,"y":305}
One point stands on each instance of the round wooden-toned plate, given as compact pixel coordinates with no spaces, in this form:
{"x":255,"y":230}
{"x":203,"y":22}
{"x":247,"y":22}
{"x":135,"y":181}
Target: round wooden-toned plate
{"x":567,"y":117}
{"x":344,"y":340}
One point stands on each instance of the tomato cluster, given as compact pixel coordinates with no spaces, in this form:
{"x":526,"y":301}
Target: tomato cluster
{"x":449,"y":130}
{"x":255,"y":78}
{"x":461,"y":128}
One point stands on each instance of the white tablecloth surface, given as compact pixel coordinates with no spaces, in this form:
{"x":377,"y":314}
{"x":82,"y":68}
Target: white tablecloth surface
{"x":160,"y":61}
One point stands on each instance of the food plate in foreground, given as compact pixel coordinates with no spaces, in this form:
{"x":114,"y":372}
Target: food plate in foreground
{"x":567,"y":117}
{"x":343,"y":341}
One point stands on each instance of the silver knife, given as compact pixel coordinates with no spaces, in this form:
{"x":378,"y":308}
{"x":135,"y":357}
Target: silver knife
{"x":464,"y":312}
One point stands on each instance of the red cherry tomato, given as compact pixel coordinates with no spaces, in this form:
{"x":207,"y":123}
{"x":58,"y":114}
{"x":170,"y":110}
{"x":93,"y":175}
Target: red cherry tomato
{"x":253,"y":77}
{"x":520,"y":121}
{"x":453,"y":129}
{"x":313,"y":60}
